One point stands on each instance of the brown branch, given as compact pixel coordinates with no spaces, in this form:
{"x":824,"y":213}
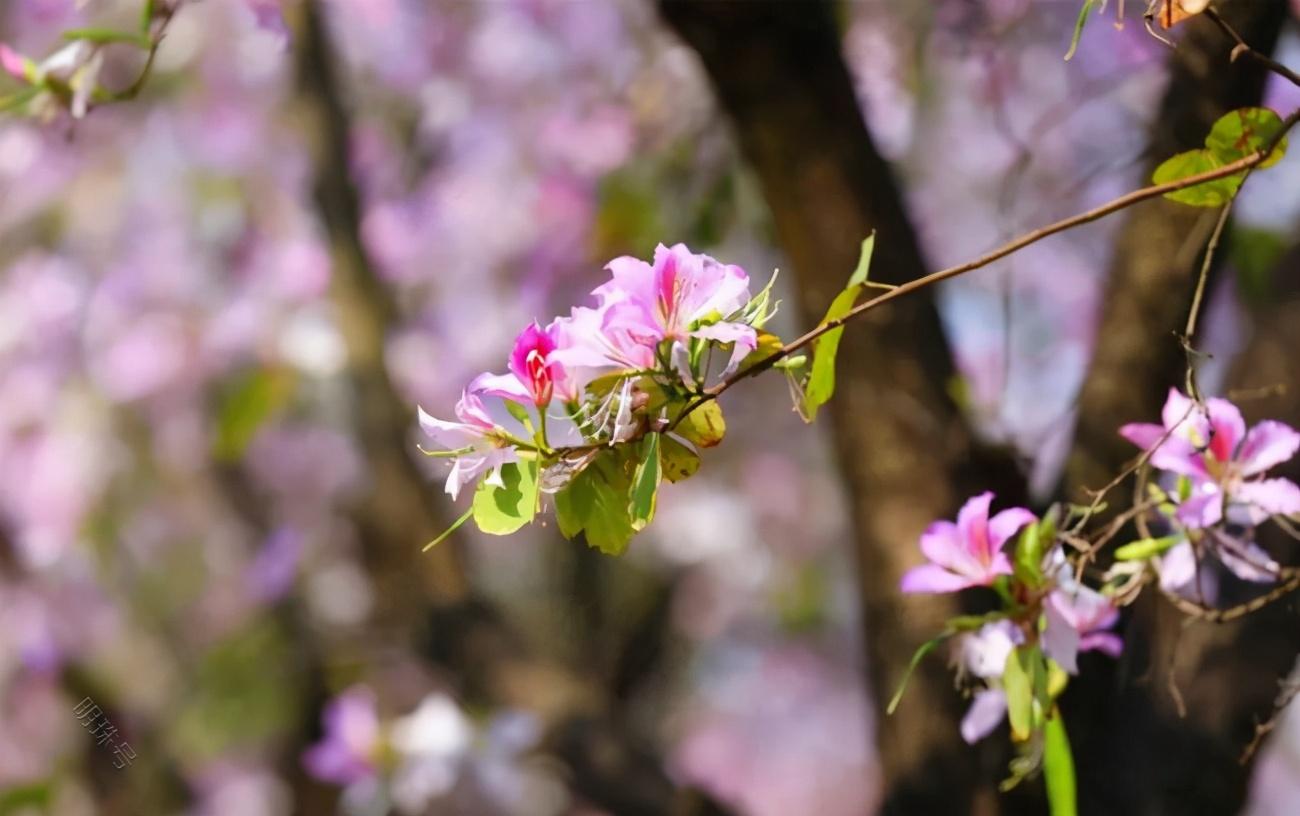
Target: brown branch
{"x":1243,"y":49}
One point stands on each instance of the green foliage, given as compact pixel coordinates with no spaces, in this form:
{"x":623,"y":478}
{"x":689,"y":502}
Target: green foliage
{"x":645,"y":483}
{"x":821,"y":381}
{"x":21,"y":799}
{"x":1031,"y":546}
{"x":1079,"y":23}
{"x":455,"y":525}
{"x":504,"y":509}
{"x":1146,"y":548}
{"x":1058,"y":768}
{"x":1235,"y":136}
{"x":250,"y":401}
{"x":917,"y":656}
{"x":105,"y":36}
{"x":703,"y":427}
{"x":678,"y":461}
{"x":1018,"y":681}
{"x":597,"y":504}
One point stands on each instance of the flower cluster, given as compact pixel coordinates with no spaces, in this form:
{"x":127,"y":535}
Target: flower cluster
{"x":1213,"y":494}
{"x":1216,"y":493}
{"x":631,"y":367}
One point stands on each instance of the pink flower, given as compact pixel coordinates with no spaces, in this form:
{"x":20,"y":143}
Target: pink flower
{"x":533,"y":371}
{"x":968,"y":553}
{"x":984,"y":654}
{"x":683,"y":295}
{"x":1210,"y":446}
{"x":348,"y":750}
{"x":1178,"y":567}
{"x":13,"y":63}
{"x":483,"y":444}
{"x":1077,"y":620}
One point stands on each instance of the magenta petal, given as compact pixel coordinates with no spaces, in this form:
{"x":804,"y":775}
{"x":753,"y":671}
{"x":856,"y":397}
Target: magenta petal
{"x":1204,"y":508}
{"x":1268,"y":444}
{"x":1273,"y":496}
{"x":973,"y":527}
{"x":1178,"y":455}
{"x":1107,"y":643}
{"x":1227,"y":428}
{"x":1182,"y":411}
{"x":1143,"y":434}
{"x":1007,"y":523}
{"x":985,"y":712}
{"x":941,"y":544}
{"x":933,"y":579}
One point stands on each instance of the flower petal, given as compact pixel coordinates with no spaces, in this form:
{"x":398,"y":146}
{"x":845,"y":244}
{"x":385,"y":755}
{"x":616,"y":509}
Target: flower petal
{"x":1060,"y":637}
{"x":506,"y":386}
{"x":1268,"y":444}
{"x":1108,"y":643}
{"x":1008,"y":523}
{"x":973,"y":527}
{"x":1204,"y":508}
{"x":1273,"y":496}
{"x":1143,"y":434}
{"x":985,"y":712}
{"x":933,"y":579}
{"x":1227,"y":428}
{"x":1246,"y":560}
{"x":1177,"y":568}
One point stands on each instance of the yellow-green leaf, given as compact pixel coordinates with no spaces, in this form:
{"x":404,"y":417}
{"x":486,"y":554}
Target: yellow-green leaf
{"x":704,"y":427}
{"x":504,"y":509}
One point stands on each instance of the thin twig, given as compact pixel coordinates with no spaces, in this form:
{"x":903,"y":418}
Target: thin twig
{"x":1243,"y":49}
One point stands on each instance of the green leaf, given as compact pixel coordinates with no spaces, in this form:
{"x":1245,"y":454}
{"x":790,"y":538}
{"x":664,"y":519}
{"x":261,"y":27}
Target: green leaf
{"x":520,"y":413}
{"x":1079,"y":23}
{"x":105,"y":36}
{"x":645,"y":483}
{"x":679,"y":462}
{"x":1241,"y":132}
{"x":1146,"y":547}
{"x":1058,"y":768}
{"x":247,"y":405}
{"x":1236,"y":135}
{"x":703,"y":427}
{"x":455,"y":525}
{"x":1191,"y":163}
{"x":20,"y":798}
{"x":1029,"y":556}
{"x":917,"y":656}
{"x":821,"y":381}
{"x":1018,"y":683}
{"x":504,"y":509}
{"x":596,"y":504}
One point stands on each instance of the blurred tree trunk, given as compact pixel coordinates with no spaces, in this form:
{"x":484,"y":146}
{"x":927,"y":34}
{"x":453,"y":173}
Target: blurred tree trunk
{"x":1136,"y":753}
{"x":905,"y":451}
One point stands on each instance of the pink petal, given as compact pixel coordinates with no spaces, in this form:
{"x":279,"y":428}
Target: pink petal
{"x":941,"y":544}
{"x":1227,"y":428}
{"x":973,"y":527}
{"x":1143,"y":434}
{"x":1268,"y":444}
{"x":1246,"y":560}
{"x":1107,"y":643}
{"x":1204,"y":508}
{"x":1007,"y":523}
{"x":1273,"y":496}
{"x":933,"y":579}
{"x":506,"y":386}
{"x":13,"y":62}
{"x":1179,"y":455}
{"x":1177,"y":568}
{"x":1181,"y":411}
{"x":985,"y":713}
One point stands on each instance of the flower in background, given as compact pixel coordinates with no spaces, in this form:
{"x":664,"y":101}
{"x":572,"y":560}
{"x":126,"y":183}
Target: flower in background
{"x":348,"y":752}
{"x":1078,"y":618}
{"x":431,"y":742}
{"x":480,"y":444}
{"x":1245,"y":559}
{"x":1223,"y":462}
{"x":968,"y":553}
{"x":984,"y":654}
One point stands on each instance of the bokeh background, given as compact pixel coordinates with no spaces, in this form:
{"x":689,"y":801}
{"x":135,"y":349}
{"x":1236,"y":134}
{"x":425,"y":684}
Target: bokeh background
{"x":220,"y":304}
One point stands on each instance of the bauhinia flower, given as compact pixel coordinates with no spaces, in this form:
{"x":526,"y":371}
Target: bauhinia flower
{"x":349,"y":750}
{"x":1223,"y":461}
{"x":533,"y":371}
{"x":479,"y":444}
{"x":1178,"y":567}
{"x":968,"y":553}
{"x":984,"y":654}
{"x":1078,"y":620}
{"x":682,"y":296}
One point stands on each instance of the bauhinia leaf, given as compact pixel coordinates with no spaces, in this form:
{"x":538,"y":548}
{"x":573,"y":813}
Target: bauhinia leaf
{"x":504,"y":509}
{"x":679,"y":462}
{"x":645,"y":482}
{"x":821,"y":380}
{"x":704,"y":426}
{"x":1018,"y":683}
{"x":1236,"y":135}
{"x":596,"y":504}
